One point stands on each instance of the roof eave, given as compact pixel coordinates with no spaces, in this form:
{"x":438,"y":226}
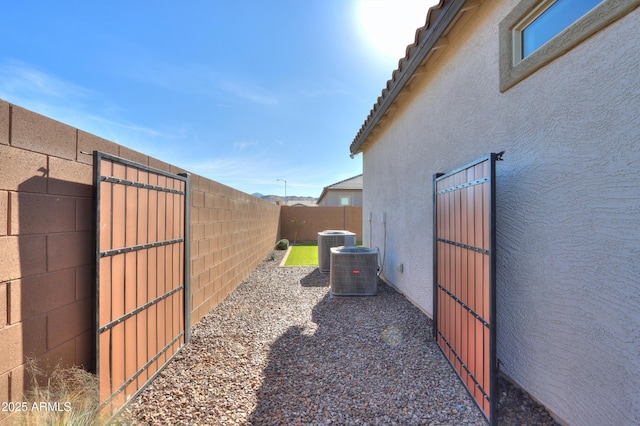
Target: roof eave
{"x":448,"y":11}
{"x":324,"y":192}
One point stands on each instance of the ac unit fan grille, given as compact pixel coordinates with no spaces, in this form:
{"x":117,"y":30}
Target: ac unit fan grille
{"x":354,"y":271}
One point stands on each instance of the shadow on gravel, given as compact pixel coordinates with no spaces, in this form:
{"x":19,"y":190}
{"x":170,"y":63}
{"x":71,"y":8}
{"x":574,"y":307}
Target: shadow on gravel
{"x":371,"y":360}
{"x":361,"y":360}
{"x":315,"y":279}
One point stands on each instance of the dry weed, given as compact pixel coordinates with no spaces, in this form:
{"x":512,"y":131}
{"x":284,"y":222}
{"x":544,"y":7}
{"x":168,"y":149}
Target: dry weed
{"x":66,"y":396}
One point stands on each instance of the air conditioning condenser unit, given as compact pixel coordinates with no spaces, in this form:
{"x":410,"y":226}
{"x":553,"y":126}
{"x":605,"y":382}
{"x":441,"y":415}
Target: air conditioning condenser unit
{"x":332,"y":238}
{"x":353,"y":271}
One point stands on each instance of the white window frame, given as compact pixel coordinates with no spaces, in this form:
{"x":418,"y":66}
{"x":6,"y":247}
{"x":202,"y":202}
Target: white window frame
{"x":514,"y":69}
{"x":348,"y":198}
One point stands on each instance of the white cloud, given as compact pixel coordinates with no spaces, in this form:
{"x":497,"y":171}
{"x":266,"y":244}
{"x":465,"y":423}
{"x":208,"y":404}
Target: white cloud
{"x":19,"y":78}
{"x":196,"y":78}
{"x":78,"y":106}
{"x":330,"y":88}
{"x":249,"y":92}
{"x":235,"y":170}
{"x":154,"y":133}
{"x":250,"y":169}
{"x":245,"y":145}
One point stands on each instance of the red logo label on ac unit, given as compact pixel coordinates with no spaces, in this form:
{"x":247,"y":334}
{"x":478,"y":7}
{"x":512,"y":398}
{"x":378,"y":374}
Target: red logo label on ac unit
{"x":355,"y":271}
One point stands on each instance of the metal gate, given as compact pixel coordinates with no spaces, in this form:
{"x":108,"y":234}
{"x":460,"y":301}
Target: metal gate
{"x":464,"y":277}
{"x":140,"y":274}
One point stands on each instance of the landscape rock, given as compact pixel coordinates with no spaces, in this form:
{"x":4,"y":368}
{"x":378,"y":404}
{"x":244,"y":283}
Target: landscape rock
{"x":280,"y":350}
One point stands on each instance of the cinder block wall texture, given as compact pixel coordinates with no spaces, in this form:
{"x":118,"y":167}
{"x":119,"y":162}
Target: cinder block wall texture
{"x":46,"y":242}
{"x":231,"y":232}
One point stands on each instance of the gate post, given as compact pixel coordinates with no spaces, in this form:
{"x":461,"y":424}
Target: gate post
{"x":187,"y":257}
{"x":434,"y":303}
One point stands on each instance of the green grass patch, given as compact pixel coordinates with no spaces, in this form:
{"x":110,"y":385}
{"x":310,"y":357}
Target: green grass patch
{"x":304,"y":254}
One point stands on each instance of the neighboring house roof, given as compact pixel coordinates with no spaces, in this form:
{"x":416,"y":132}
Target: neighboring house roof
{"x":428,"y":38}
{"x":351,"y":184}
{"x":304,"y":204}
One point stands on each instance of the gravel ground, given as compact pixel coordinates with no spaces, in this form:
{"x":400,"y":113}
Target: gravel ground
{"x":280,"y":351}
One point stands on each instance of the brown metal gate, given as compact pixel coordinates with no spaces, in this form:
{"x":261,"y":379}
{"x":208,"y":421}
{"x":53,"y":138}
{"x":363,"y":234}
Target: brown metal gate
{"x":140,"y":274}
{"x":464,"y":275}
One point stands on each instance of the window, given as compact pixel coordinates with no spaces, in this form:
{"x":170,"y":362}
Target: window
{"x":345,"y":201}
{"x":536,"y":32}
{"x":546,"y":22}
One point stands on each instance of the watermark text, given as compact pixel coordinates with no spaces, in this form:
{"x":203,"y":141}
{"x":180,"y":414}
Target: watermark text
{"x":48,"y":407}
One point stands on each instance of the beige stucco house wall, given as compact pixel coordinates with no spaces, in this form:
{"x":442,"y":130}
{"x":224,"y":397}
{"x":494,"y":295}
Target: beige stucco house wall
{"x":337,"y":197}
{"x":568,"y":201}
{"x":347,"y":192}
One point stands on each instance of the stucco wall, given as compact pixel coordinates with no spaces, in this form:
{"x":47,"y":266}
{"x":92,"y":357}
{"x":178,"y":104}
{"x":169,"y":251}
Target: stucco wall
{"x":46,"y":233}
{"x":568,"y":206}
{"x":332,"y":198}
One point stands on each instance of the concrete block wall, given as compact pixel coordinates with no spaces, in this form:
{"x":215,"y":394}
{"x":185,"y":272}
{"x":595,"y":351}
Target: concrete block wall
{"x":46,"y":242}
{"x":46,"y":286}
{"x":231,"y":232}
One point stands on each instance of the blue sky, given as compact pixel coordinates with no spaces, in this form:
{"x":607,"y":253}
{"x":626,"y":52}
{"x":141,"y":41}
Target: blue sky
{"x":243,"y":92}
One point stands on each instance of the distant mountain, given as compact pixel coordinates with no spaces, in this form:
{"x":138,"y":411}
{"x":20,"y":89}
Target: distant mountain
{"x":291,"y":199}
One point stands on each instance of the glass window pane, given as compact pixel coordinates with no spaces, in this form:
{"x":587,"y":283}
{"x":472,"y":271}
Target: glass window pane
{"x":552,"y":21}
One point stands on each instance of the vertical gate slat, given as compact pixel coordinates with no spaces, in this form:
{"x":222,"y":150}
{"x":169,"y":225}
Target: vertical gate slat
{"x":161,"y":311}
{"x":130,"y":305}
{"x":464,"y":277}
{"x":140,"y":274}
{"x":141,"y":331}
